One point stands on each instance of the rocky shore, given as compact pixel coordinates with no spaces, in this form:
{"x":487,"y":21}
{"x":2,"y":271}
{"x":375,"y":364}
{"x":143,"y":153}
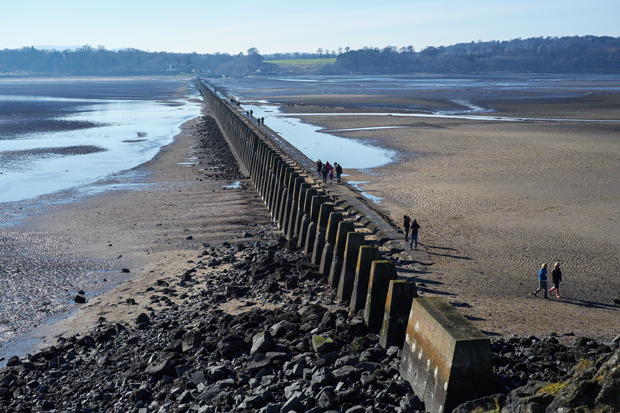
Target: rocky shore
{"x":249,"y":324}
{"x":254,"y":327}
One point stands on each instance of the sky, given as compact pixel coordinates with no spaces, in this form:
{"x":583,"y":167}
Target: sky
{"x":276,"y":26}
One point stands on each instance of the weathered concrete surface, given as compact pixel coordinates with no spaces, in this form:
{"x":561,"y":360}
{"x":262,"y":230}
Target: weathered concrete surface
{"x":367,"y":254}
{"x":397,"y":308}
{"x":381,"y":273}
{"x":325,"y":212}
{"x":344,"y":228}
{"x":329,"y":242}
{"x":445,"y":358}
{"x":347,"y":277}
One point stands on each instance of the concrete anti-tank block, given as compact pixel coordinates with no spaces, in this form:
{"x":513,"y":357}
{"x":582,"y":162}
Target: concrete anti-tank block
{"x":335,"y":269}
{"x":367,"y":255}
{"x":325,"y":240}
{"x":347,"y":277}
{"x":381,"y":273}
{"x":445,"y":358}
{"x":397,"y":308}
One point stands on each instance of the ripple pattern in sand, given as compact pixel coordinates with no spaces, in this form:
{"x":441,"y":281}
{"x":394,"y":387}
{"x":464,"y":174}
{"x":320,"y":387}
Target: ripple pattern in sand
{"x":38,"y":280}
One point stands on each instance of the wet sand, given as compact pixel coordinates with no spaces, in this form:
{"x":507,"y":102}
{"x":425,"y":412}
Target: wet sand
{"x":497,"y":199}
{"x":151,"y":227}
{"x":494,"y":199}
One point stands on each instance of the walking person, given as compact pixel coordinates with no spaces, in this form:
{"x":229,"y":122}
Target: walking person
{"x":319,"y":166}
{"x":328,"y":166}
{"x":414,"y":234}
{"x":556,"y":277}
{"x":338,"y":172}
{"x":324,"y":173}
{"x":331,"y":175}
{"x":406,"y":225}
{"x":542,"y":281}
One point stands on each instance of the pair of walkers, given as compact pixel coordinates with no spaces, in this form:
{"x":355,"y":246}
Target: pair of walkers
{"x":413,"y":227}
{"x":556,"y":277}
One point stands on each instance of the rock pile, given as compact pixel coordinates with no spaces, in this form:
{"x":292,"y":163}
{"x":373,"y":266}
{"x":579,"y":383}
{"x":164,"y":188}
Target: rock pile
{"x":221,"y":161}
{"x":254,"y":327}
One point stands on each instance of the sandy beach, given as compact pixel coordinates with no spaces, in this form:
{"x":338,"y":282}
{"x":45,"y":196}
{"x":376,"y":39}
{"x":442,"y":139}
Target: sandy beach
{"x":497,"y":199}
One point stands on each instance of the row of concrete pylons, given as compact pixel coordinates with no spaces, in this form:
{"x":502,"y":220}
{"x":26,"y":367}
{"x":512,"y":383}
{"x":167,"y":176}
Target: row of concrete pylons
{"x":444,"y":357}
{"x":327,"y":231}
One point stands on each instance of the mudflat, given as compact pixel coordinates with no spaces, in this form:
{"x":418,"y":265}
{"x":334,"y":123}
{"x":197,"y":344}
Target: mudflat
{"x":159,"y":217}
{"x":494,"y":198}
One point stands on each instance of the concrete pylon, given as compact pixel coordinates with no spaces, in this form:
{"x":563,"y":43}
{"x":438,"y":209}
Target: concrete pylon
{"x":306,"y":218}
{"x":367,"y":254}
{"x":445,"y":358}
{"x":278,"y":196}
{"x":319,"y":242}
{"x":282,"y":207}
{"x":271,"y":184}
{"x":291,"y":210}
{"x":381,"y":273}
{"x":329,"y":241}
{"x":347,"y":277}
{"x":288,"y":185}
{"x":344,"y":227}
{"x":397,"y":307}
{"x":299,"y":182}
{"x":290,"y":222}
{"x":315,"y":208}
{"x":310,"y":240}
{"x":301,"y":202}
{"x":277,"y":187}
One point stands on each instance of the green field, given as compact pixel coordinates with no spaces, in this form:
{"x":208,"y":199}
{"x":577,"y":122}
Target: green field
{"x":302,"y":62}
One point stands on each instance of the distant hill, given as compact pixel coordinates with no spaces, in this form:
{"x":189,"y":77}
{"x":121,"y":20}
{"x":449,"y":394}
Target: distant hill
{"x":577,"y":54}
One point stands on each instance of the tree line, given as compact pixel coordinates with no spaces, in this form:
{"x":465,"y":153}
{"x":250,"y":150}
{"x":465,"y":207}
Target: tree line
{"x":577,"y":54}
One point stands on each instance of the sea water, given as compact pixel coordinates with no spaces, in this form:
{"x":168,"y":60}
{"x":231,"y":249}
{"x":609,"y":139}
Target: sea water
{"x":90,"y":140}
{"x":60,"y":140}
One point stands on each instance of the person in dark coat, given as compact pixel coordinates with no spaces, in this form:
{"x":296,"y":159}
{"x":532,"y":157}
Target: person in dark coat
{"x":319,"y":166}
{"x":414,"y":234}
{"x":324,"y":172}
{"x":556,"y":277}
{"x":338,"y":172}
{"x":406,"y":224}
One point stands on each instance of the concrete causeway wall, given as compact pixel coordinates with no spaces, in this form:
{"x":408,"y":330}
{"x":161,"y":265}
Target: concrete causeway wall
{"x":445,"y":358}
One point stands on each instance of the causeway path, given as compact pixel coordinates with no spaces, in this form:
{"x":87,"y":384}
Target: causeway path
{"x":389,"y":233}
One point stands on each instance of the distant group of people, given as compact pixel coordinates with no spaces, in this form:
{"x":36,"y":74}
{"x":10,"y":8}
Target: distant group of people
{"x":326,"y":171}
{"x":250,"y":113}
{"x":556,"y":277}
{"x":235,"y":102}
{"x":413,"y":227}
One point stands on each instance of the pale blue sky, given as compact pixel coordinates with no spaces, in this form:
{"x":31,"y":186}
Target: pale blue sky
{"x":232,"y":26}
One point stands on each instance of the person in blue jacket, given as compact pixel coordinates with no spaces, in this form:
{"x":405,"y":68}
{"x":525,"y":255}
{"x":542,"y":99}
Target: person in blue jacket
{"x":542,"y":280}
